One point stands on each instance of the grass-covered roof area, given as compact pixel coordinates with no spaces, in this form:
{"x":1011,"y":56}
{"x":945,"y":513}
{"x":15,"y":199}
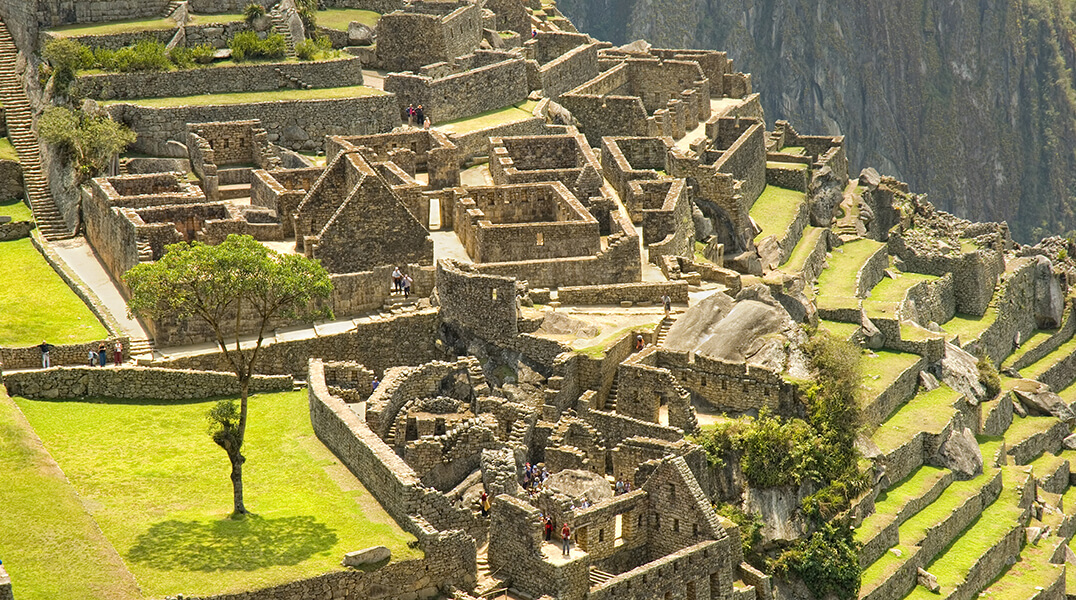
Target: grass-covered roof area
{"x":798,"y":258}
{"x":881,"y":368}
{"x":15,"y":208}
{"x":838,"y":279}
{"x":492,"y":118}
{"x":7,"y":151}
{"x":340,"y":18}
{"x":927,"y":411}
{"x":254,"y":97}
{"x":775,"y":210}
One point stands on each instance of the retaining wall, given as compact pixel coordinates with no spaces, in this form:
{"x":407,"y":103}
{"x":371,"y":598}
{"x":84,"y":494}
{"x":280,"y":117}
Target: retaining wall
{"x":129,"y":382}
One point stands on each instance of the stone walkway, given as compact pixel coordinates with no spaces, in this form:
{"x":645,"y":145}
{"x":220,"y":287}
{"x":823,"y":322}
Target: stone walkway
{"x":79,"y":256}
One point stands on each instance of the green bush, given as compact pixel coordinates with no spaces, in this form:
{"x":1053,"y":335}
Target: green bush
{"x":988,"y":376}
{"x":66,"y":58}
{"x":145,"y":55}
{"x":253,"y":11}
{"x":203,"y":54}
{"x":827,"y":561}
{"x":247,"y":45}
{"x":181,"y":57}
{"x":314,"y":48}
{"x":91,"y":140}
{"x":750,"y":525}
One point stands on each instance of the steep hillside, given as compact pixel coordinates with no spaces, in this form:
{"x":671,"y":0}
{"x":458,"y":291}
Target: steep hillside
{"x":971,"y":102}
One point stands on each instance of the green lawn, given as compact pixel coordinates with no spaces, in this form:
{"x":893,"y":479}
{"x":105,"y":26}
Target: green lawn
{"x":36,"y":304}
{"x":798,"y":258}
{"x":50,"y":546}
{"x":927,"y":411}
{"x":838,"y":279}
{"x":970,"y":327}
{"x":893,"y":500}
{"x":159,"y":489}
{"x":137,"y":25}
{"x":795,"y":166}
{"x":253,"y":97}
{"x":16,"y":209}
{"x":894,"y":290}
{"x":797,"y":150}
{"x":1039,"y":336}
{"x":501,"y":116}
{"x":1036,"y":369}
{"x":882,"y":368}
{"x":843,"y":331}
{"x":7,"y":151}
{"x":340,"y":18}
{"x":775,"y":210}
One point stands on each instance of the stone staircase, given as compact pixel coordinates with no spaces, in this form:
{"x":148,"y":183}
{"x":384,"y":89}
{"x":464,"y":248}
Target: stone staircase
{"x":598,"y":577}
{"x":21,"y":132}
{"x":292,"y":80}
{"x":663,"y":330}
{"x":610,"y":398}
{"x":280,"y":25}
{"x":172,"y":7}
{"x":141,"y":349}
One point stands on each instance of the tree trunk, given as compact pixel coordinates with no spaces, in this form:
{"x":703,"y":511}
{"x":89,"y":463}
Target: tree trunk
{"x":237,"y":461}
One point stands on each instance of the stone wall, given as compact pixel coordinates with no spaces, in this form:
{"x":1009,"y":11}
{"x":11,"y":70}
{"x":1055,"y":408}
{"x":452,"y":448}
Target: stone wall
{"x":261,"y":77}
{"x":872,"y":271}
{"x":975,"y":273}
{"x":29,"y":357}
{"x":476,"y":143}
{"x":15,"y":230}
{"x":354,"y":293}
{"x":460,"y":95}
{"x":149,"y":383}
{"x":567,"y":71}
{"x":53,"y":13}
{"x":876,"y":410}
{"x":282,"y":190}
{"x":631,"y":292}
{"x":297,"y":124}
{"x":11,"y":180}
{"x":412,"y":151}
{"x":408,"y":40}
{"x":730,"y":386}
{"x":740,"y":151}
{"x":476,"y":302}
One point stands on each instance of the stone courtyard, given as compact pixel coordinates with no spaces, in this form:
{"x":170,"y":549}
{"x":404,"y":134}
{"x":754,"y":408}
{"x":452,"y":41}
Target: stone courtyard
{"x":613,"y":259}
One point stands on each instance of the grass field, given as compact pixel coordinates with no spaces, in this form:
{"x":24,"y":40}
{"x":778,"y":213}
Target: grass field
{"x":253,"y":97}
{"x":36,"y":304}
{"x":775,"y":210}
{"x":136,"y":25}
{"x":501,"y":116}
{"x":16,"y":209}
{"x":340,"y":18}
{"x":158,"y":488}
{"x":50,"y":546}
{"x":7,"y":151}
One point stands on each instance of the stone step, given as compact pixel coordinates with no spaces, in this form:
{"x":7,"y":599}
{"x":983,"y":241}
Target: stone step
{"x":893,"y":507}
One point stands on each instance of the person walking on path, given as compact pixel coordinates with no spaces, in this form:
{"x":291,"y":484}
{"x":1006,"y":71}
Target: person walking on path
{"x":483,"y":503}
{"x":374,"y":384}
{"x":548,"y":528}
{"x":117,"y":353}
{"x":102,"y":354}
{"x":565,"y":538}
{"x":420,"y":116}
{"x":93,"y":357}
{"x":666,"y":301}
{"x":407,"y":281}
{"x":397,"y":279}
{"x":45,"y":348}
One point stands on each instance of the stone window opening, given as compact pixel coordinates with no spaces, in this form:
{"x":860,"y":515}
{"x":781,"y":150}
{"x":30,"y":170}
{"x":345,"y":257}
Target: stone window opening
{"x":703,"y":382}
{"x":672,"y":492}
{"x":724,"y":384}
{"x":493,"y":294}
{"x":695,"y":529}
{"x":745,"y":386}
{"x":618,"y":531}
{"x":601,"y":535}
{"x":690,"y":590}
{"x":676,"y":525}
{"x":541,"y":239}
{"x":640,"y":522}
{"x":657,"y":521}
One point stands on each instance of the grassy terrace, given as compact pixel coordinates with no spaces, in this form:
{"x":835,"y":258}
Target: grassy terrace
{"x":843,"y":331}
{"x":7,"y":151}
{"x":775,"y":210}
{"x":57,"y":550}
{"x":952,"y":566}
{"x":1023,"y":428}
{"x":927,"y":411}
{"x":893,"y":500}
{"x":837,"y":282}
{"x":16,"y":209}
{"x":770,"y":164}
{"x":158,"y":488}
{"x":881,"y":368}
{"x":1028,"y":575}
{"x":1035,"y":370}
{"x":1037,"y":338}
{"x":35,"y":303}
{"x":501,"y":116}
{"x":798,"y":258}
{"x":797,"y":150}
{"x":970,"y":327}
{"x":894,"y":290}
{"x":340,"y":18}
{"x":137,"y":25}
{"x":254,"y":97}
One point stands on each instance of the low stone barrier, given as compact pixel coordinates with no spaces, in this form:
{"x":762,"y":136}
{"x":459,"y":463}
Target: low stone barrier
{"x":134,"y":383}
{"x":29,"y":357}
{"x":621,"y":292}
{"x":15,"y":230}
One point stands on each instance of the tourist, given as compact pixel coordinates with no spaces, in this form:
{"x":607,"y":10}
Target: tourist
{"x":639,"y":343}
{"x":420,"y":115}
{"x":45,"y":348}
{"x":411,"y":114}
{"x":484,"y":504}
{"x":548,"y":528}
{"x":102,"y":355}
{"x":426,"y":123}
{"x":619,"y":487}
{"x":93,"y":357}
{"x":666,"y":301}
{"x":397,"y":279}
{"x":565,"y":536}
{"x":407,"y":281}
{"x":374,"y":384}
{"x":117,"y":353}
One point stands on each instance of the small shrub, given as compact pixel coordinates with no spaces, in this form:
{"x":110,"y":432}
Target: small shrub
{"x":988,"y":376}
{"x":105,"y":59}
{"x":750,"y":525}
{"x":181,"y":57}
{"x":203,"y":54}
{"x":827,"y":561}
{"x":66,"y":58}
{"x":308,"y":12}
{"x":253,"y":11}
{"x":246,"y":45}
{"x":145,"y":55}
{"x":306,"y":50}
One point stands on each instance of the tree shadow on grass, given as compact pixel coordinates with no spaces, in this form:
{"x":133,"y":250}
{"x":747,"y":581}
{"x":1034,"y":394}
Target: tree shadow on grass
{"x":226,"y":545}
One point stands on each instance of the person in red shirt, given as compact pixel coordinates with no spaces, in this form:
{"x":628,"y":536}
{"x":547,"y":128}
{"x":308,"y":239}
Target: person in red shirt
{"x":548,"y":529}
{"x":565,"y":536}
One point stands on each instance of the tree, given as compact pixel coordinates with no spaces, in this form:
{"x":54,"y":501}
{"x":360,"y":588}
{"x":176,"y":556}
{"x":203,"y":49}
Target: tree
{"x":92,"y":139}
{"x":66,"y":56}
{"x":237,"y":281}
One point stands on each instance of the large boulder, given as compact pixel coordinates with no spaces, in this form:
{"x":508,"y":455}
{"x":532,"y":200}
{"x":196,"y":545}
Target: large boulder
{"x":1049,"y":299}
{"x":367,"y":556}
{"x":960,"y":453}
{"x":1039,"y":400}
{"x":779,"y":509}
{"x":359,"y":34}
{"x":578,"y":484}
{"x":960,"y":371}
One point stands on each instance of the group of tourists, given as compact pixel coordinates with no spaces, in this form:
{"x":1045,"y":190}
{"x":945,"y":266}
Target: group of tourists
{"x":565,"y":533}
{"x":97,"y":356}
{"x":416,"y":116}
{"x":622,"y":487}
{"x":401,"y":282}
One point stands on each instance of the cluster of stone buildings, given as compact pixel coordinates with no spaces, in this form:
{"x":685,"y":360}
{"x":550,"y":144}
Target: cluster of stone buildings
{"x":640,"y":173}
